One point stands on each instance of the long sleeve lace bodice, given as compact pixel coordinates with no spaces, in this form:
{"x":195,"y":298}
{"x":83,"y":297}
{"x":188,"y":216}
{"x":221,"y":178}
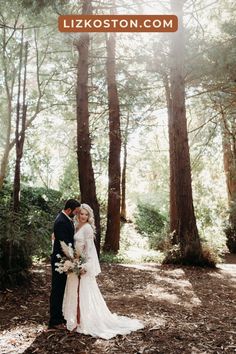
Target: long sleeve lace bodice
{"x":84,"y":242}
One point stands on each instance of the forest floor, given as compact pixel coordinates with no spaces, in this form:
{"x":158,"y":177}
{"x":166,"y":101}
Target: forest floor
{"x":184,"y":309}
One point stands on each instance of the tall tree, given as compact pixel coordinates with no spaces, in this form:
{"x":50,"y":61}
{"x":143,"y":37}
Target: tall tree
{"x":40,"y":79}
{"x":218,"y":82}
{"x":21,"y":112}
{"x":86,"y":174}
{"x":112,"y":237}
{"x":9,"y":75}
{"x":124,"y":169}
{"x":173,"y":206}
{"x":186,"y":232}
{"x":228,"y":131}
{"x":222,"y":57}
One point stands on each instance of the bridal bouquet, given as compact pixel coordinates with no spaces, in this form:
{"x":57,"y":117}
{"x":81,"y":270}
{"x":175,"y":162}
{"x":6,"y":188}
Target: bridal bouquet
{"x":72,"y":262}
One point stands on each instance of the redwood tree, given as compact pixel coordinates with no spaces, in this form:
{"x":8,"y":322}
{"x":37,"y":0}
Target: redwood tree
{"x":86,"y":174}
{"x":228,"y":131}
{"x":186,"y":228}
{"x":112,"y":237}
{"x":173,"y":207}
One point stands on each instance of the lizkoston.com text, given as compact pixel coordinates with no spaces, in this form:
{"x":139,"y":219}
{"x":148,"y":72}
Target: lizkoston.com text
{"x":118,"y":23}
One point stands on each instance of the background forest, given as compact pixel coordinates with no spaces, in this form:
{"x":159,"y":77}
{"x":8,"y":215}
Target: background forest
{"x":141,"y":126}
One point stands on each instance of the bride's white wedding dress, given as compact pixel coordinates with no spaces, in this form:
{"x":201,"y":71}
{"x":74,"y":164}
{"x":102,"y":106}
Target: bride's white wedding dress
{"x":95,"y":317}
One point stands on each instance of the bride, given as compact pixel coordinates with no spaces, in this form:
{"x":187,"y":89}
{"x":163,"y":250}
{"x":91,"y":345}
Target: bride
{"x":84,"y":308}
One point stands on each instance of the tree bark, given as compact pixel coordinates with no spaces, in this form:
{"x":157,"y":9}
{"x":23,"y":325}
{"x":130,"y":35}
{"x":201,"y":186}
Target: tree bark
{"x":172,"y":194}
{"x":186,"y":232}
{"x":123,"y":215}
{"x":9,"y":89}
{"x":112,"y":238}
{"x":20,"y":120}
{"x":228,"y":132}
{"x":5,"y":157}
{"x":86,"y":174}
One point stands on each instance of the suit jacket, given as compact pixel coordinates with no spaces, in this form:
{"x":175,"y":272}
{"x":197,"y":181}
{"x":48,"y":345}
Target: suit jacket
{"x":63,"y":231}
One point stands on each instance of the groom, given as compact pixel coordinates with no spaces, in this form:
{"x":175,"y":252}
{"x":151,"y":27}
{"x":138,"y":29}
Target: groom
{"x":63,"y":231}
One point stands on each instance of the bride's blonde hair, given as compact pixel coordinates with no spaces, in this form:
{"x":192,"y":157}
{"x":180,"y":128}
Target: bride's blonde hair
{"x":91,"y":220}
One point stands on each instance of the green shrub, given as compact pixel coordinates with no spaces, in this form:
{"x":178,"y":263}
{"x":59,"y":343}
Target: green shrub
{"x":151,"y":224}
{"x":151,"y":258}
{"x":109,"y":257}
{"x":26,"y":233}
{"x":173,"y":255}
{"x":230,"y":233}
{"x":209,"y":257}
{"x":230,"y":229}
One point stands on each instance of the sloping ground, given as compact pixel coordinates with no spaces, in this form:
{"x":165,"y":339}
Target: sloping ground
{"x":185,"y":310}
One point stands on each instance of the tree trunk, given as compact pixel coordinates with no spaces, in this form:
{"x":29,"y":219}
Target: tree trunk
{"x":172,"y":195}
{"x":4,"y":160}
{"x":112,"y":238}
{"x":181,"y":192}
{"x":123,"y":215}
{"x":8,"y":88}
{"x":20,"y":120}
{"x":86,"y":174}
{"x":228,"y":132}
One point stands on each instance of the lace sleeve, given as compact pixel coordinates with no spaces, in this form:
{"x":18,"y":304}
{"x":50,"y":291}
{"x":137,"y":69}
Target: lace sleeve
{"x":91,"y":265}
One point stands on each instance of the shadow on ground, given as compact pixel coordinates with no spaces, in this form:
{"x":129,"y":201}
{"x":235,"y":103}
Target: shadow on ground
{"x":185,"y":310}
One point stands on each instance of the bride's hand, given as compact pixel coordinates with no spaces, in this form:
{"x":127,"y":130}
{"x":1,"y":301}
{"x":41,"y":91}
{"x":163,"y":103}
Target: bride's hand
{"x":83,"y":271}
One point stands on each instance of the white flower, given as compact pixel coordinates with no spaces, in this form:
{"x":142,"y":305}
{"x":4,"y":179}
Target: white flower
{"x":72,"y":261}
{"x":68,"y":265}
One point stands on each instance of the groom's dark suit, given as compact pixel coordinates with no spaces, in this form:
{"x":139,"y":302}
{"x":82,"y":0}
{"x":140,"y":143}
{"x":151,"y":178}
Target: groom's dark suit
{"x":63,"y":231}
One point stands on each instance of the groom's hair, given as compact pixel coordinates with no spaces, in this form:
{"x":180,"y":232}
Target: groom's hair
{"x":72,"y":204}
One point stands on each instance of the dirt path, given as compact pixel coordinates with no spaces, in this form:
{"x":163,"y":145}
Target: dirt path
{"x":185,"y":310}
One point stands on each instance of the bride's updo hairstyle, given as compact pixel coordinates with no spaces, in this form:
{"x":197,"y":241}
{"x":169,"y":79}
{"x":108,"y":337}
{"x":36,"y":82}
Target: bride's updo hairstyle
{"x":91,"y":220}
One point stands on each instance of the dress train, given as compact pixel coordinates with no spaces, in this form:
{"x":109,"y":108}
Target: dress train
{"x":95,"y":317}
